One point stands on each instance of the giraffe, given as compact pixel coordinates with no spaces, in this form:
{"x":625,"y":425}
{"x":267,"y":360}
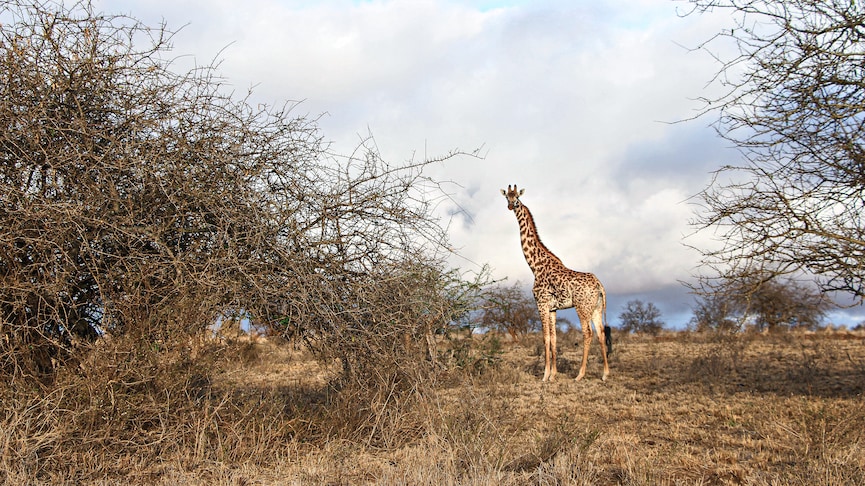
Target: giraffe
{"x":558,"y":287}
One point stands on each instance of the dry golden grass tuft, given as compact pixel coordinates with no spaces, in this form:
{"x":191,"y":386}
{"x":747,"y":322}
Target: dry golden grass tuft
{"x":678,"y":409}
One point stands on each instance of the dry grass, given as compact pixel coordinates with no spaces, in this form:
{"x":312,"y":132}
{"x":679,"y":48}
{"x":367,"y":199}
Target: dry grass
{"x":678,"y":409}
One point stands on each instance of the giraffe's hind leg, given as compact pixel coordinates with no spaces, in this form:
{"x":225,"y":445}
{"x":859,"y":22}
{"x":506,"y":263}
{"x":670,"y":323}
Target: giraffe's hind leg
{"x":586,"y":325}
{"x":553,"y":349}
{"x":599,"y":329}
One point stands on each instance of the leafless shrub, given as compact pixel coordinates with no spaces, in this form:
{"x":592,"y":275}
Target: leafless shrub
{"x":509,"y":309}
{"x":144,"y":205}
{"x":140,"y":201}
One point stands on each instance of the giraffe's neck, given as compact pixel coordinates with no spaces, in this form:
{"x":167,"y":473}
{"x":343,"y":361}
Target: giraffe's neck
{"x":536,"y":253}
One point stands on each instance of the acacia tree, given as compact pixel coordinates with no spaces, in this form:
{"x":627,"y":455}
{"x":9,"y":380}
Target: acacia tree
{"x":716,"y":312}
{"x":783,"y":305}
{"x":510,"y":308}
{"x":640,"y":317}
{"x":793,"y":103}
{"x":770,"y":305}
{"x":140,"y":202}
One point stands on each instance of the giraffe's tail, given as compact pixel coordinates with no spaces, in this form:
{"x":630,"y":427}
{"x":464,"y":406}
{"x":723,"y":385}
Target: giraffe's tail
{"x":608,"y":331}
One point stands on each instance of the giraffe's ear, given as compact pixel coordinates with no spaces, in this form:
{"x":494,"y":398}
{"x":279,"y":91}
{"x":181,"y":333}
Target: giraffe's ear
{"x":522,"y":191}
{"x":504,"y":193}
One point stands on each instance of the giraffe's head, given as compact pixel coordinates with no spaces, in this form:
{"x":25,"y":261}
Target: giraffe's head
{"x":513,"y":196}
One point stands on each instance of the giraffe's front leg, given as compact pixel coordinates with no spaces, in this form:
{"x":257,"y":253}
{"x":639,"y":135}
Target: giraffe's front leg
{"x":545,"y":329}
{"x":553,"y":358}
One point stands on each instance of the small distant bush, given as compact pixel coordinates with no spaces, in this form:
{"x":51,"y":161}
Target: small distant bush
{"x":640,"y":317}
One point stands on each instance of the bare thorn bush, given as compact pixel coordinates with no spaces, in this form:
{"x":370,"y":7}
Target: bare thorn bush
{"x":139,"y":206}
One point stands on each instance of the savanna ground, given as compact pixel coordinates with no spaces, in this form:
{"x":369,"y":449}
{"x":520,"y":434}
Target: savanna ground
{"x":680,"y":408}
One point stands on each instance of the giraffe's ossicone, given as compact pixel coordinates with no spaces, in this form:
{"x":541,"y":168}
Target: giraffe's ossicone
{"x":557,"y":287}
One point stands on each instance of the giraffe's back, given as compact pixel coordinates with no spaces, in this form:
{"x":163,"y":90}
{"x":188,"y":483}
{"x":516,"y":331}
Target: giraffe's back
{"x":567,"y":288}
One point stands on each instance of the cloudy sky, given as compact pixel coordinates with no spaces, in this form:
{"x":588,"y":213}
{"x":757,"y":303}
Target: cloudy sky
{"x":571,"y":100}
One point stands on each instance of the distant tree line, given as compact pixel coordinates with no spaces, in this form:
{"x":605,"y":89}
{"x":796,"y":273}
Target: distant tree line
{"x":776,"y":306}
